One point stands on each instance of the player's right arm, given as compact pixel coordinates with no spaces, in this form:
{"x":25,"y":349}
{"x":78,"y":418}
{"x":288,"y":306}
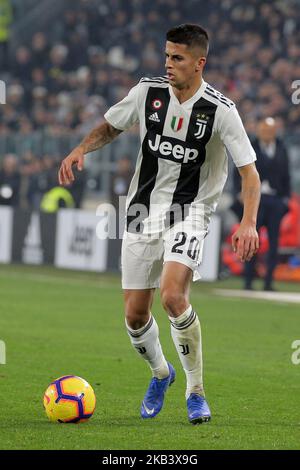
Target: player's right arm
{"x":96,"y":139}
{"x":118,"y":118}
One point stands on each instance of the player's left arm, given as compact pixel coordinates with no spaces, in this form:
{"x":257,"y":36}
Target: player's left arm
{"x":245,"y":241}
{"x":232,"y":133}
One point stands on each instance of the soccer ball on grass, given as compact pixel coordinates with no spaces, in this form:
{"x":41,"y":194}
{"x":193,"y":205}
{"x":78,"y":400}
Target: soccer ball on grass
{"x":69,"y":399}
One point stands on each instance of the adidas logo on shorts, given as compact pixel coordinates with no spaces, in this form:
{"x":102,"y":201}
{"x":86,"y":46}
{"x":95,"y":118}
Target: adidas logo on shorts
{"x":154,"y":117}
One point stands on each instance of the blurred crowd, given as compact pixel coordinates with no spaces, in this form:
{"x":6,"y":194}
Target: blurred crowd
{"x":28,"y":182}
{"x":62,"y":81}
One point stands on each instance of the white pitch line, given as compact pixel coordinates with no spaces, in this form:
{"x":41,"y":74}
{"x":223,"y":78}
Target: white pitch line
{"x":291,"y":297}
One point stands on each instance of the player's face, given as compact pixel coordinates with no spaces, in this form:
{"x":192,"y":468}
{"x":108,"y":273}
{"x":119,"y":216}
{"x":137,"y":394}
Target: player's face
{"x":183,"y":64}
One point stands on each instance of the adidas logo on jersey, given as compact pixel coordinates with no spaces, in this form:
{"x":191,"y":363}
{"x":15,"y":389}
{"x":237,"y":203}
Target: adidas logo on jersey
{"x":154,"y":117}
{"x":178,"y":152}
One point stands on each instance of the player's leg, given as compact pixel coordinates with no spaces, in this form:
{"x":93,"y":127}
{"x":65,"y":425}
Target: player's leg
{"x":143,"y":329}
{"x":185,"y":325}
{"x":273,"y":220}
{"x":179,"y":266}
{"x":141,"y":267}
{"x":249,"y":266}
{"x":186,"y":335}
{"x":249,"y":273}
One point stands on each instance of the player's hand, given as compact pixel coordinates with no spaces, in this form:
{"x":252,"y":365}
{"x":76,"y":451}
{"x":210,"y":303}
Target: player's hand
{"x":245,"y":241}
{"x":65,"y":174}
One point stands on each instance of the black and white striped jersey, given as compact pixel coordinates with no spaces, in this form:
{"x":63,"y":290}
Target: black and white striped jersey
{"x":182,"y":162}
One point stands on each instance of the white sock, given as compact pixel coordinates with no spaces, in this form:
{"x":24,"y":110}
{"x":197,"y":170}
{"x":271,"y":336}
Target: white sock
{"x":147,"y":344}
{"x":186,"y":334}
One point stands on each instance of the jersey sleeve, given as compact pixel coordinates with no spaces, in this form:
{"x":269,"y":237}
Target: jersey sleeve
{"x":125,"y":113}
{"x":235,"y":139}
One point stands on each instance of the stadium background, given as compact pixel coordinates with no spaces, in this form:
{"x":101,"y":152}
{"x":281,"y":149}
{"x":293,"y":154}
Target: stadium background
{"x":63,"y":63}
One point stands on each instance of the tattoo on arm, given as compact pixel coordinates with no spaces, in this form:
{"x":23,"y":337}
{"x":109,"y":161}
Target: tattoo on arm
{"x":98,"y":137}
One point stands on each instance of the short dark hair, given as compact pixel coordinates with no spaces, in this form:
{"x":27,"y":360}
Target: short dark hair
{"x":190,"y":34}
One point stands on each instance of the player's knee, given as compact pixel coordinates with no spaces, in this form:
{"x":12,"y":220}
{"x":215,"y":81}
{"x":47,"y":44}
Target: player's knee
{"x":135,"y":317}
{"x":174,"y":302}
{"x":135,"y":322}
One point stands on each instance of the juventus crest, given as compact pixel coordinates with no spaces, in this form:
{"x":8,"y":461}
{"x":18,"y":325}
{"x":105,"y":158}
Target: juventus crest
{"x":201,"y":123}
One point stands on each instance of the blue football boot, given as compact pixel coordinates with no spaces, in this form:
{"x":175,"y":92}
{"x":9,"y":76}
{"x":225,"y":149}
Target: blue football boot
{"x":198,"y":409}
{"x":154,"y":398}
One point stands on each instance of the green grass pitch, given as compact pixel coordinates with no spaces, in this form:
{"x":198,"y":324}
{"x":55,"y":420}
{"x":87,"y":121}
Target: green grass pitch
{"x":57,"y":322}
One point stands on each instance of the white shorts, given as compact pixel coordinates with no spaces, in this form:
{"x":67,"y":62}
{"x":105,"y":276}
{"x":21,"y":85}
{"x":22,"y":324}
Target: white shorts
{"x":143,"y":255}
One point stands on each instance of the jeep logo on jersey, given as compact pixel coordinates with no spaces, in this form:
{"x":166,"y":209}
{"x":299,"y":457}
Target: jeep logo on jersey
{"x":201,"y":123}
{"x":176,"y":123}
{"x":179,"y":152}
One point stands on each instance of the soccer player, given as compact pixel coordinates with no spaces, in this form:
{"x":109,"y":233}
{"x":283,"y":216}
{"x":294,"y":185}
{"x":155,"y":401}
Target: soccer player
{"x":185,"y":128}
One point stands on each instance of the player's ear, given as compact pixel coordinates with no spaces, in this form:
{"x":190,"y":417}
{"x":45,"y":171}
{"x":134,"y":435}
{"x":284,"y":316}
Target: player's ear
{"x":200,"y":63}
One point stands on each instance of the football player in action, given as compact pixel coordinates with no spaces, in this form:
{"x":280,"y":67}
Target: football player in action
{"x":186,"y":128}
